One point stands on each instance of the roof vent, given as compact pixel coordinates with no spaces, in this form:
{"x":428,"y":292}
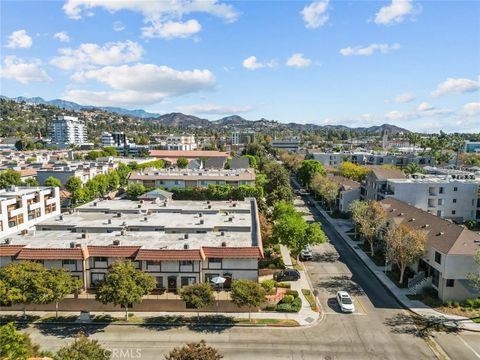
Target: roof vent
{"x":234,"y":204}
{"x":412,"y":219}
{"x":119,"y":214}
{"x":141,"y":201}
{"x":94,"y":203}
{"x":145,"y":218}
{"x":401,"y":214}
{"x":123,"y":232}
{"x":185,"y":236}
{"x":208,"y":201}
{"x":426,"y":225}
{"x":209,"y":206}
{"x":200,"y":214}
{"x":109,"y":221}
{"x":222,"y":233}
{"x":201,"y":222}
{"x":440,"y":233}
{"x":186,"y":246}
{"x":85,"y":236}
{"x":230,"y":218}
{"x":139,"y":206}
{"x":72,"y":244}
{"x":224,"y":243}
{"x":60,"y":217}
{"x":8,"y":241}
{"x":116,"y":242}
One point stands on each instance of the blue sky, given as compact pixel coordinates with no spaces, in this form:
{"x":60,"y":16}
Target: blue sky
{"x":409,"y":63}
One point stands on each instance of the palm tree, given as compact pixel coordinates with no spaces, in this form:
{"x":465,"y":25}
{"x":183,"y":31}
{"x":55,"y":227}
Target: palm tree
{"x":411,"y":169}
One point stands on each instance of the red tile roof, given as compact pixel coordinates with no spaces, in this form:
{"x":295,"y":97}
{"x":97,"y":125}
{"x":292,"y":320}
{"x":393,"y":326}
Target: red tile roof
{"x":50,"y":254}
{"x":10,"y":250}
{"x":232,"y":252}
{"x":113,"y":251}
{"x":166,"y":255}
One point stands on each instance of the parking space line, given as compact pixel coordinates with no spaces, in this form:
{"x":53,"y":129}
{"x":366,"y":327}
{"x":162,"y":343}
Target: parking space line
{"x":361,"y":305}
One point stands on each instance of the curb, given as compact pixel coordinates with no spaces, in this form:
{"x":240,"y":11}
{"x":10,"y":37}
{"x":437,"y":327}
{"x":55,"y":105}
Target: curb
{"x":381,"y":282}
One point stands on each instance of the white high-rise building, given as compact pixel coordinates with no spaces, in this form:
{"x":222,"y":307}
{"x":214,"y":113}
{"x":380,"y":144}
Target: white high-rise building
{"x":66,"y":130}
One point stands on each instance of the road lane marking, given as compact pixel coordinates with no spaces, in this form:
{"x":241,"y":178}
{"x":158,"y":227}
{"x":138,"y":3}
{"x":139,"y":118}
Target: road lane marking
{"x":469,"y":347}
{"x":361,"y":305}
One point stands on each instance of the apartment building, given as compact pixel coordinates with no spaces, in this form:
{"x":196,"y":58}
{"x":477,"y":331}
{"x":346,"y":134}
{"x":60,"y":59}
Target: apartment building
{"x":66,"y":130}
{"x":374,"y":187}
{"x":24,"y":207}
{"x":242,"y":137}
{"x":348,"y":191}
{"x":449,"y":252}
{"x":115,"y":139}
{"x":179,"y":142}
{"x":334,"y":159}
{"x":455,"y":197}
{"x":472,"y":146}
{"x":174,"y":155}
{"x":292,"y":144}
{"x":184,"y":178}
{"x":83,"y":170}
{"x":177,"y":242}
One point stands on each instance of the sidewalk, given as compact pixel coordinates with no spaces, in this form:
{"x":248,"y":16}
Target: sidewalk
{"x":415,"y":306}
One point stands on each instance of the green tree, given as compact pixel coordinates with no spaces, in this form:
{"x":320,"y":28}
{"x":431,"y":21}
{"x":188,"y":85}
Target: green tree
{"x":353,"y":171}
{"x":307,"y":169}
{"x":123,"y":170}
{"x":135,"y":190}
{"x":110,"y":151}
{"x":371,"y":219}
{"x":182,"y":162}
{"x":124,"y":285}
{"x":14,"y":345}
{"x":252,"y":161}
{"x":9,"y":177}
{"x":198,"y":295}
{"x":73,"y":184}
{"x":113,"y":180}
{"x":404,"y":246}
{"x":474,"y":277}
{"x":31,"y":182}
{"x":282,"y":209}
{"x":194,"y":351}
{"x":60,"y":283}
{"x":53,"y":181}
{"x":412,"y":168}
{"x":25,"y":283}
{"x":83,"y":348}
{"x":247,"y":293}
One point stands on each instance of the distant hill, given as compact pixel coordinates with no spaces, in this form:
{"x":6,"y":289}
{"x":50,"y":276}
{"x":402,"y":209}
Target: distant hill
{"x":69,"y":105}
{"x":180,"y":120}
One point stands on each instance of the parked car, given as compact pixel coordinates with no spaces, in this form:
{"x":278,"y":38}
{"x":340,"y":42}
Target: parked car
{"x":306,"y":254}
{"x":345,"y":302}
{"x":287,"y":275}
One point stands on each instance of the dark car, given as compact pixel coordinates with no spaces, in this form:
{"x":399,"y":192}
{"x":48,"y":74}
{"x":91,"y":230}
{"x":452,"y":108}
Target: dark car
{"x":287,"y":275}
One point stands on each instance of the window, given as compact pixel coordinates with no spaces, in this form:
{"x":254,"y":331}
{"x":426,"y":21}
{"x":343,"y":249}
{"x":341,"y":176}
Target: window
{"x":441,"y":190}
{"x":440,"y":201}
{"x":153,"y":265}
{"x":215,"y":263}
{"x":187,"y":280}
{"x":454,"y":201}
{"x":455,"y":189}
{"x":438,"y":257}
{"x":100,"y":262}
{"x":159,"y":280}
{"x":453,"y":212}
{"x":96,"y":278}
{"x":186,"y":263}
{"x":450,"y":283}
{"x":435,"y":277}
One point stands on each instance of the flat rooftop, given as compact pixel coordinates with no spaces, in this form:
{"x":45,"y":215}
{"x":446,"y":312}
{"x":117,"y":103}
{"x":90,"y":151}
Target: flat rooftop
{"x":439,"y":179}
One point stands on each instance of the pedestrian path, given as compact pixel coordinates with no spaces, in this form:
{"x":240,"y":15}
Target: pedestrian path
{"x":287,"y":260}
{"x":416,"y":306}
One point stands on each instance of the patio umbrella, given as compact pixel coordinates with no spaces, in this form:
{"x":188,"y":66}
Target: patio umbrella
{"x":218,"y":280}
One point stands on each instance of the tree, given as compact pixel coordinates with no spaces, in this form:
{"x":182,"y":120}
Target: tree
{"x":123,"y":170}
{"x":404,"y":246}
{"x":24,"y":283}
{"x":247,"y":293}
{"x":124,"y":285}
{"x":252,"y":161}
{"x":198,"y":295}
{"x":135,"y":190}
{"x":73,"y":184}
{"x":113,"y":180}
{"x":8,"y":178}
{"x":371,"y":218}
{"x":307,"y":169}
{"x":14,"y":345}
{"x":53,"y":181}
{"x":182,"y":162}
{"x":110,"y":151}
{"x":60,"y":283}
{"x":194,"y":351}
{"x":358,"y":209}
{"x":412,"y":168}
{"x":353,"y":171}
{"x":83,"y":348}
{"x":474,"y":277}
{"x":281,"y":209}
{"x":31,"y":182}
{"x":326,"y":188}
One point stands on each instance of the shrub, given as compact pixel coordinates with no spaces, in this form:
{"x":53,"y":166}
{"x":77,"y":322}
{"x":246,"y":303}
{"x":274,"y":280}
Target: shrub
{"x":476,"y":303}
{"x":294,"y":306}
{"x":276,"y":248}
{"x":306,"y":292}
{"x":284,"y":285}
{"x":267,"y":252}
{"x":456,"y":304}
{"x":470,"y":303}
{"x":268,"y":285}
{"x":287,"y":299}
{"x":448,"y":303}
{"x":293,"y":293}
{"x":272,"y":266}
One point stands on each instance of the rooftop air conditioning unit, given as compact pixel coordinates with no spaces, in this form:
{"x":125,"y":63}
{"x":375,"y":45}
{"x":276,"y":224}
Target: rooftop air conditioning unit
{"x":72,"y":244}
{"x":8,"y":241}
{"x":116,"y":242}
{"x":201,"y":222}
{"x":185,"y":236}
{"x":85,"y":236}
{"x":119,"y":214}
{"x":109,"y":221}
{"x":186,"y":246}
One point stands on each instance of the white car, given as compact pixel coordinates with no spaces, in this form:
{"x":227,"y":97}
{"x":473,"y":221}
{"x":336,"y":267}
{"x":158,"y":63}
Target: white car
{"x":345,"y":302}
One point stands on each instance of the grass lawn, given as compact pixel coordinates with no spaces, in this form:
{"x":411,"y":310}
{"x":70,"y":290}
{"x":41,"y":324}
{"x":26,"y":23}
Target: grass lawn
{"x":296,"y":265}
{"x":271,"y":322}
{"x":310,"y":298}
{"x":476,"y":319}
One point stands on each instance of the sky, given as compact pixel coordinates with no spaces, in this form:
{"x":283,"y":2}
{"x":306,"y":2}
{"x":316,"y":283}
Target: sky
{"x":414,"y":64}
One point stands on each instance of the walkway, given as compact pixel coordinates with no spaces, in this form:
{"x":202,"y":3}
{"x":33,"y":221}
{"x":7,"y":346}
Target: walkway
{"x":416,"y":306}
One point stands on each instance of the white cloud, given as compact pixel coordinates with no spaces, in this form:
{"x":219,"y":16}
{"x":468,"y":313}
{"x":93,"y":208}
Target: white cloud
{"x":315,"y":15}
{"x":404,"y":98}
{"x":171,"y":29}
{"x":88,"y":55}
{"x":369,"y":50}
{"x":62,"y":36}
{"x":23,"y":71}
{"x":424,"y":106}
{"x":140,"y":84}
{"x":19,"y":39}
{"x":251,"y":63}
{"x":456,"y":86}
{"x":118,"y":26}
{"x":158,"y":13}
{"x":214,"y":109}
{"x":396,"y":12}
{"x":298,"y":60}
{"x":471,"y":109}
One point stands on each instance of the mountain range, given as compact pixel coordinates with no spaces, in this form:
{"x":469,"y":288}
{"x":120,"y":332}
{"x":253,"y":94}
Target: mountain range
{"x":181,"y":120}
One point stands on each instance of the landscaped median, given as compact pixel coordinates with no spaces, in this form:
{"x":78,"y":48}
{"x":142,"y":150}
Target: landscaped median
{"x":164,"y":320}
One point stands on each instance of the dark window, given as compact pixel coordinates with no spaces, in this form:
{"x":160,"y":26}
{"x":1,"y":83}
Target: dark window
{"x":453,"y":212}
{"x":159,"y":280}
{"x":438,"y":257}
{"x":450,"y":283}
{"x":441,"y":190}
{"x":215,"y":261}
{"x":455,"y":188}
{"x":186,"y":263}
{"x":435,"y":277}
{"x":454,"y":201}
